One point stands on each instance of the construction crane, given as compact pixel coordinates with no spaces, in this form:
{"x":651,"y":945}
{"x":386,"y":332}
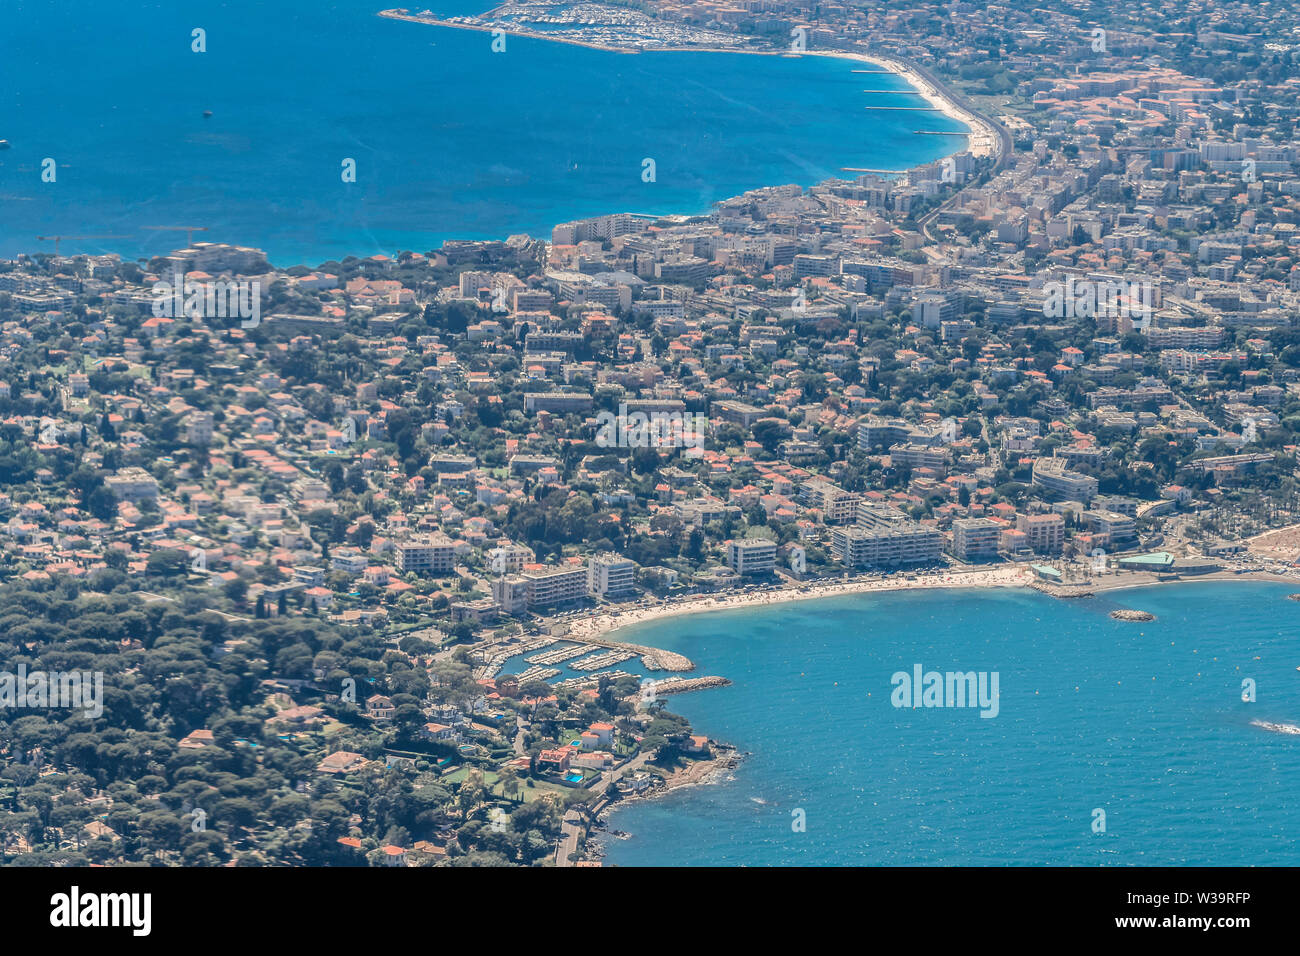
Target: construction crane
{"x":188,"y":230}
{"x":57,"y":239}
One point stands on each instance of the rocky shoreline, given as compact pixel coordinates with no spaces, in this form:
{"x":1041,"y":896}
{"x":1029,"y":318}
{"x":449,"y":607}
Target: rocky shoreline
{"x":698,"y":773}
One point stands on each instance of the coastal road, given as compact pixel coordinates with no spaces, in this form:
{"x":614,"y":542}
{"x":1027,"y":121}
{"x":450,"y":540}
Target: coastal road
{"x":570,"y":830}
{"x":572,"y":827}
{"x":148,"y":597}
{"x":1005,"y":142}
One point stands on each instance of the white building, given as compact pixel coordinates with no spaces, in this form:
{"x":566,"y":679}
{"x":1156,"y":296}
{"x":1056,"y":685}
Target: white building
{"x":751,"y":555}
{"x":432,"y":555}
{"x":610,"y":574}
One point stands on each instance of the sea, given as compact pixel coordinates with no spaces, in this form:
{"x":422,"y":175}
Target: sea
{"x":1114,"y":743}
{"x":448,"y":139}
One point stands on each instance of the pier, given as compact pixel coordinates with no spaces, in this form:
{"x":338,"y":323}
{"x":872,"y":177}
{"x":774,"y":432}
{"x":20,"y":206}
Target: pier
{"x":605,"y":658}
{"x":556,"y":656}
{"x":652,"y":658}
{"x":681,"y":685}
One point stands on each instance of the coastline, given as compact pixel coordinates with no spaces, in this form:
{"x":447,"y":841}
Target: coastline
{"x":982,"y":139}
{"x":699,"y":773}
{"x":606,"y":827}
{"x":603,"y":626}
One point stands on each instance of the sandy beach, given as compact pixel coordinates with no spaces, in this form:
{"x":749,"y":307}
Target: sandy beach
{"x":1000,"y":576}
{"x":1280,"y":544}
{"x":983,"y":139}
{"x":603,"y":626}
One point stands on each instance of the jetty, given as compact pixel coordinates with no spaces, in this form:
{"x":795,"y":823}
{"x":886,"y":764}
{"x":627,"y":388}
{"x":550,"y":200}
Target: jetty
{"x":591,"y":680}
{"x":652,"y":658}
{"x":606,"y":658}
{"x":558,"y":655}
{"x":1063,"y":590}
{"x":538,"y":673}
{"x":682,"y":685}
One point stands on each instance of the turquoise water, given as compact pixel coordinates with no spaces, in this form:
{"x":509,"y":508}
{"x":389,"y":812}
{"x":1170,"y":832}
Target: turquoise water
{"x":450,"y":140}
{"x":1143,"y":721}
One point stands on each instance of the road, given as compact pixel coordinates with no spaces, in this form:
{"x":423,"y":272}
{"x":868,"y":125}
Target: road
{"x":148,"y":597}
{"x":572,"y":827}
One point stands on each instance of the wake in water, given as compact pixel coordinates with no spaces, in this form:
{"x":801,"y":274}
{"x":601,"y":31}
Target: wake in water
{"x":1277,"y":728}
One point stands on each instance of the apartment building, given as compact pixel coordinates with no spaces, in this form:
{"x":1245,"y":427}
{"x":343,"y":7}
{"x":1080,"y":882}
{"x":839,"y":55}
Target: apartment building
{"x":198,"y":428}
{"x":1208,"y":337}
{"x":540,"y":586}
{"x":1044,"y":534}
{"x":132,"y":484}
{"x":1119,"y":529}
{"x":350,"y":560}
{"x":610,"y":574}
{"x":1056,"y":479}
{"x":835,"y":504}
{"x":751,"y":555}
{"x":1116,"y":503}
{"x":875,"y":517}
{"x":738,"y":412}
{"x":432,"y":555}
{"x":509,"y":558}
{"x":882,"y":432}
{"x":558,"y":403}
{"x":907,"y":543}
{"x":975,"y":539}
{"x":912,"y":455}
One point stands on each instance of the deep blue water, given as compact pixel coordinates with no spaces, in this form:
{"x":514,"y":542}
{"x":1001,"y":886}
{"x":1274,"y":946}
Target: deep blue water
{"x":450,"y":139}
{"x":1144,"y":721}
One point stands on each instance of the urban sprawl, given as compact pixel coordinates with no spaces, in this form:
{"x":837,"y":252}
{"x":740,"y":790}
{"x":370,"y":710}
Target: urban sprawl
{"x":330,"y":550}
